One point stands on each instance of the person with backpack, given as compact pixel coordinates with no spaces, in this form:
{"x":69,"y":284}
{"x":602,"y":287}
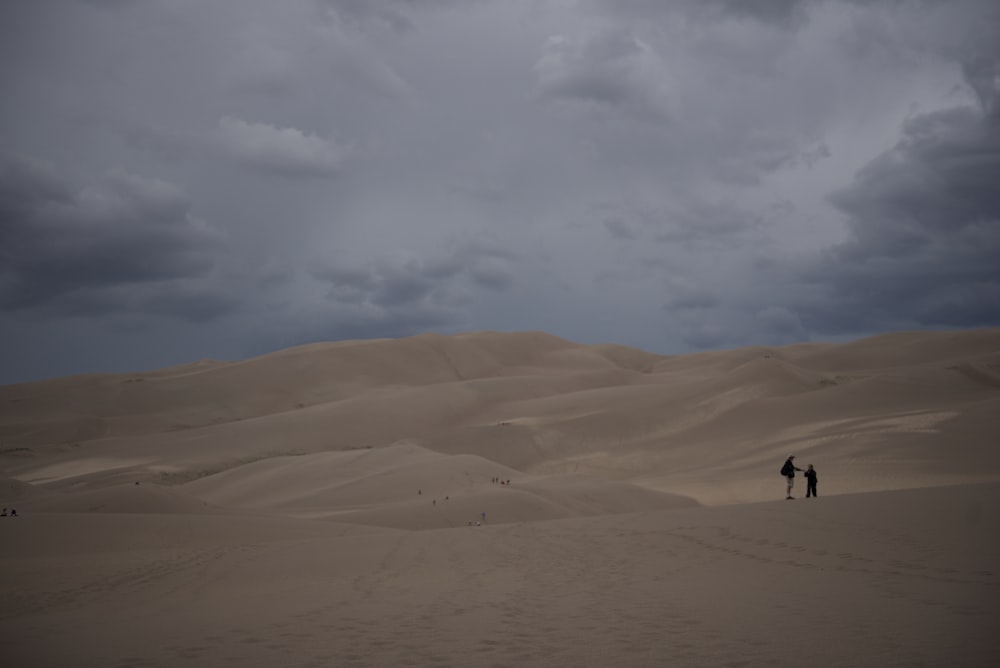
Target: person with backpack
{"x":788,"y":471}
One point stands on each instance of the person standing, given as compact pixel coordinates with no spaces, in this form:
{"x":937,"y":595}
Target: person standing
{"x":788,"y":470}
{"x":811,"y":479}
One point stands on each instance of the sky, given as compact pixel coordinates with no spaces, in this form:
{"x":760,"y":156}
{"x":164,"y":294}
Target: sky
{"x":192,"y":179}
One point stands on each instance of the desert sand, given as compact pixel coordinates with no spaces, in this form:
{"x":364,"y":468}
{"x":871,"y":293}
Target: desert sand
{"x":348,"y":504}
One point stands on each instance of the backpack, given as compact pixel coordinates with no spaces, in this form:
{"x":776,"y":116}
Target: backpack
{"x":786,"y":469}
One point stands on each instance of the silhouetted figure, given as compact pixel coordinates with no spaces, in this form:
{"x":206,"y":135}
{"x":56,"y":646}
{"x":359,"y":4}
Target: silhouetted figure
{"x":811,"y":479}
{"x":788,"y":470}
{"x":13,"y":512}
{"x":4,"y":513}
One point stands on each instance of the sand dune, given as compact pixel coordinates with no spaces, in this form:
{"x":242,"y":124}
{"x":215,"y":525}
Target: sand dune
{"x":898,"y":578}
{"x":409,"y":487}
{"x":13,"y":491}
{"x":319,"y":506}
{"x":127,"y":498}
{"x":534,"y":403}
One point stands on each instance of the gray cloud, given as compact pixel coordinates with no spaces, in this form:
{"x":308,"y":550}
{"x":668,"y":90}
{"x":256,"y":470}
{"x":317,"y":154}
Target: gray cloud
{"x":684,"y":294}
{"x":284,"y":151}
{"x":925,"y":231}
{"x":405,"y":289}
{"x":612,"y":69}
{"x":983,"y":74}
{"x":191,"y":304}
{"x":396,"y":14}
{"x":650,"y":173}
{"x":61,"y":244}
{"x":114,"y":4}
{"x":686,"y":221}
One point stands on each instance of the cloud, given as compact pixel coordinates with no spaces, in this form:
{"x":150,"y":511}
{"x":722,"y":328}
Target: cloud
{"x":612,"y":69}
{"x":493,"y":273}
{"x":983,"y":75}
{"x":113,"y":4}
{"x":686,"y":294}
{"x":706,"y":335}
{"x":692,"y":222}
{"x":778,"y":325}
{"x":396,"y":14}
{"x":924,"y":221}
{"x":284,"y":151}
{"x":72,"y":250}
{"x":784,"y":12}
{"x":710,"y":224}
{"x":658,"y":172}
{"x":190,"y":304}
{"x":764,"y":10}
{"x":403,"y":288}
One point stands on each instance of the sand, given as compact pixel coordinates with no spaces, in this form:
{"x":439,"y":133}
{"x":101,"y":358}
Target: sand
{"x":324,"y":506}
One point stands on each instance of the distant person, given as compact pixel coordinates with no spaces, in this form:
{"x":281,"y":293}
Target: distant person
{"x":810,"y":475}
{"x":13,"y":512}
{"x":788,"y":470}
{"x":4,"y":513}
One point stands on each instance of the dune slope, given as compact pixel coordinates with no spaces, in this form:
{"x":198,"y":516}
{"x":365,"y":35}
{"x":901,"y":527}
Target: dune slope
{"x":902,"y":410}
{"x":899,"y":578}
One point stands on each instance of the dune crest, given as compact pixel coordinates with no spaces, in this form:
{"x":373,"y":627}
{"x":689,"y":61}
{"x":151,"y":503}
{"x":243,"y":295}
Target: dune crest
{"x":492,"y":499}
{"x":891,"y":411}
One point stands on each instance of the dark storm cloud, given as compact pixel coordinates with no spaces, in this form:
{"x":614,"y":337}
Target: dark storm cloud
{"x":194,"y":305}
{"x":394,"y":296}
{"x":397,"y":297}
{"x":75,"y":246}
{"x":384,"y":286}
{"x":925,"y":231}
{"x":648,"y":166}
{"x":409,"y":281}
{"x":341,"y":322}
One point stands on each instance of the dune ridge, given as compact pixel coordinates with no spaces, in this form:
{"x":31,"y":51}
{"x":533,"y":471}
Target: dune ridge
{"x":493,"y":499}
{"x":877,"y":412}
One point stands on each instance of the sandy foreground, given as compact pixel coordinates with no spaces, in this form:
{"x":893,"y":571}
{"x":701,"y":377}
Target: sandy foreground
{"x":905,"y":578}
{"x":341,"y":505}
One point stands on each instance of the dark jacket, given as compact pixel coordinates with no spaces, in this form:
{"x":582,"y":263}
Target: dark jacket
{"x":789,"y":469}
{"x":811,"y":477}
